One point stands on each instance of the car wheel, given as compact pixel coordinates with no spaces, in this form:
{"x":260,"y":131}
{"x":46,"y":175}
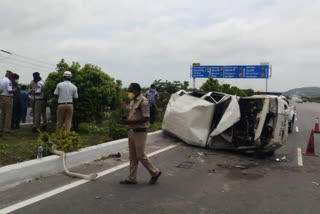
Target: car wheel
{"x":290,"y":127}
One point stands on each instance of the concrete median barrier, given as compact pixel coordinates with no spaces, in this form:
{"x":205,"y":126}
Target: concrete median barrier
{"x":15,"y":174}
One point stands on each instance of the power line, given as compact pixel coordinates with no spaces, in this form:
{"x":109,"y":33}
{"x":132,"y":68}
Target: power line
{"x":29,"y":63}
{"x":40,"y":61}
{"x":23,"y":66}
{"x":4,"y":58}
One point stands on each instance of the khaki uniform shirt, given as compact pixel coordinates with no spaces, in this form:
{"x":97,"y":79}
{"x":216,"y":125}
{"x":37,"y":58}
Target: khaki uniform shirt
{"x":33,"y":86}
{"x":139,"y":108}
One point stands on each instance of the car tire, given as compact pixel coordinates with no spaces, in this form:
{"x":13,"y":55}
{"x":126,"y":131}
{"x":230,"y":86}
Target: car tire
{"x":290,"y":127}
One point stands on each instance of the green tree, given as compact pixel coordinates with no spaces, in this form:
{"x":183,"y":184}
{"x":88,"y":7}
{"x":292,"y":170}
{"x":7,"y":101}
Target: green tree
{"x":249,"y":92}
{"x":211,"y":85}
{"x":170,"y":87}
{"x":225,"y":88}
{"x":97,"y":91}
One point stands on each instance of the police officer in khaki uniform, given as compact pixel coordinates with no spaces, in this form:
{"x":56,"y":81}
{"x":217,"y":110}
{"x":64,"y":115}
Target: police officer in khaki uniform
{"x":137,"y":120}
{"x":32,"y":88}
{"x":6,"y":102}
{"x":66,"y":92}
{"x":40,"y":105}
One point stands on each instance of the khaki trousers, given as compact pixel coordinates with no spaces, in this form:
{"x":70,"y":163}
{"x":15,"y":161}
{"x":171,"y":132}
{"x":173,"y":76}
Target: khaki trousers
{"x":40,"y":107}
{"x":6,"y":105}
{"x":137,"y":142}
{"x":64,"y":116}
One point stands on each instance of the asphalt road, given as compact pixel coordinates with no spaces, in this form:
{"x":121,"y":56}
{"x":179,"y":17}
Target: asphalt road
{"x":194,"y":180}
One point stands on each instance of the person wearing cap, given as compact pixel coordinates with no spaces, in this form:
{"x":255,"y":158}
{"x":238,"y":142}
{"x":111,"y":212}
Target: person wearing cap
{"x":66,"y":91}
{"x":152,"y":96}
{"x":137,"y":121}
{"x":6,"y":102}
{"x":40,"y":104}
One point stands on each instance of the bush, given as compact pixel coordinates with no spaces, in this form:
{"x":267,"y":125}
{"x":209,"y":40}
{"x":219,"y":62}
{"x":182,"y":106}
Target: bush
{"x":110,"y":126}
{"x":97,"y":91}
{"x":66,"y":141}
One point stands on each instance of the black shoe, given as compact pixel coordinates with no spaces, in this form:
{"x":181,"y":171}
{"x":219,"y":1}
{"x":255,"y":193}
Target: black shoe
{"x":154,"y":179}
{"x":128,"y":182}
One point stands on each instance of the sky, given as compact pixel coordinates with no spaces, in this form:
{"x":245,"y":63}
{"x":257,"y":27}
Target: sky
{"x":143,"y":40}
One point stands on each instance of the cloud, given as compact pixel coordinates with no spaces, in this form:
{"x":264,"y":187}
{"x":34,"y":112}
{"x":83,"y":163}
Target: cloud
{"x":142,"y":40}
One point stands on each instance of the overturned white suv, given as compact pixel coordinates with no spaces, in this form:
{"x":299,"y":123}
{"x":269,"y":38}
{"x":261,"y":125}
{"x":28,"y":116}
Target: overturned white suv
{"x":220,"y":121}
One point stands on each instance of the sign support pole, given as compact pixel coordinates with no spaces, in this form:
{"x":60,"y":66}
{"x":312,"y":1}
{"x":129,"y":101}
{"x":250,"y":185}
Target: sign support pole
{"x":267,"y":85}
{"x":194,"y":82}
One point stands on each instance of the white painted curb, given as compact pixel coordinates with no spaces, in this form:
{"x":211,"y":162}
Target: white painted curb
{"x":15,"y":174}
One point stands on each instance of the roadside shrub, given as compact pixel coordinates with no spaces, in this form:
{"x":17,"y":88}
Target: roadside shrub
{"x":97,"y":91}
{"x":66,"y":141}
{"x":93,"y":129}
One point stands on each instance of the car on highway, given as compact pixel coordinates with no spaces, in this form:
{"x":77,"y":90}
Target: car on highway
{"x":299,"y":100}
{"x":221,"y":121}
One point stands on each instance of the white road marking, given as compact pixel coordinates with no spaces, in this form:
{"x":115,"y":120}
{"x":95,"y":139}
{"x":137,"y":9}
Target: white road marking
{"x":299,"y":153}
{"x":72,"y":185}
{"x":297,"y":129}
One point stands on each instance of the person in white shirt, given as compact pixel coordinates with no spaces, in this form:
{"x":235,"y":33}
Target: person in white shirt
{"x":6,"y":103}
{"x":40,"y":104}
{"x":66,"y":92}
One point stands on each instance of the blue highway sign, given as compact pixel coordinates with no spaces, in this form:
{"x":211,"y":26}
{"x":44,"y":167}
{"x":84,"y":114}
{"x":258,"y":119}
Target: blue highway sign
{"x":231,"y":71}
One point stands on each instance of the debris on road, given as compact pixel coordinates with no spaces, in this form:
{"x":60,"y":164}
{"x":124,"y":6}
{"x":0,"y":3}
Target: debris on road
{"x":315,"y":183}
{"x":102,"y":158}
{"x":244,"y":173}
{"x":283,"y":158}
{"x":230,"y":166}
{"x":241,"y":166}
{"x":115,"y":155}
{"x":185,"y":165}
{"x":211,"y":171}
{"x":98,"y":197}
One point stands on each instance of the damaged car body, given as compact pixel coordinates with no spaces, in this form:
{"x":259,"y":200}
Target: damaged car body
{"x":221,"y":121}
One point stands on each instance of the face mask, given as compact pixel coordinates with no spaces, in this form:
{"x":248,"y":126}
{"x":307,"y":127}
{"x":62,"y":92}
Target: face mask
{"x":153,"y":90}
{"x":131,"y":95}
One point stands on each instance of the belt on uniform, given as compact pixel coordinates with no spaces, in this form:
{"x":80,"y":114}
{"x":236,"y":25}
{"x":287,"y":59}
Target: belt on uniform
{"x":139,"y":130}
{"x":64,"y":103}
{"x":41,"y":99}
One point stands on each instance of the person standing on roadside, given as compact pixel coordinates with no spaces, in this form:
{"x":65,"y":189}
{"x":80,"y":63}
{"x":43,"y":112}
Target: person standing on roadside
{"x":67,"y":92}
{"x":137,"y":121}
{"x":16,"y":110}
{"x":24,"y":97}
{"x":32,"y":88}
{"x":6,"y":103}
{"x":152,"y":96}
{"x":40,"y":104}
